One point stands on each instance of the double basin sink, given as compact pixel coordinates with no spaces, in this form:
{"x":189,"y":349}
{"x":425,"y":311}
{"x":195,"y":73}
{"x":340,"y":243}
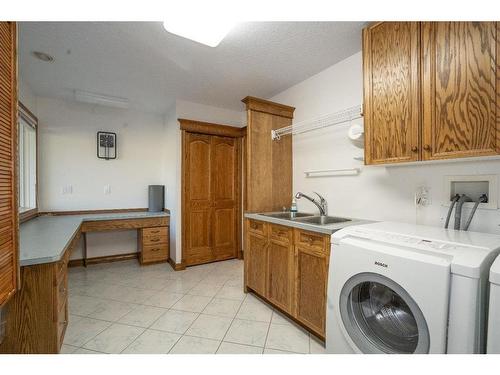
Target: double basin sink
{"x":308,"y":218}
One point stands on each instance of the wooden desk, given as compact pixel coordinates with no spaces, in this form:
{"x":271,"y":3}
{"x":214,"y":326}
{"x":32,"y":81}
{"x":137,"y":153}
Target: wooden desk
{"x":37,"y":315}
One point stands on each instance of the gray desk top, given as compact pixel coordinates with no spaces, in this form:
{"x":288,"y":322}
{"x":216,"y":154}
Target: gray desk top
{"x":325,"y":229}
{"x":43,"y":240}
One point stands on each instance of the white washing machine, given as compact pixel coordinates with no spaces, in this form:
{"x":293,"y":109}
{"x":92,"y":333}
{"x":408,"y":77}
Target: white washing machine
{"x":494,"y":310}
{"x":402,"y":288}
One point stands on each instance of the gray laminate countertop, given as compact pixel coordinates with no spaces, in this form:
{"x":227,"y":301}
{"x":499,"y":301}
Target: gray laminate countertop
{"x":325,"y":229}
{"x":43,"y":239}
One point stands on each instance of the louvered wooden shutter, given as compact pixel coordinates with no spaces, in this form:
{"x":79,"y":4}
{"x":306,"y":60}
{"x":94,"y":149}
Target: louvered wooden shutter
{"x":8,"y":162}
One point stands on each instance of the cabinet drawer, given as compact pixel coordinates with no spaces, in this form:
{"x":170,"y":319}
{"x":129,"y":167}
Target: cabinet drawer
{"x":162,"y":231}
{"x":311,"y":240}
{"x":154,"y":239}
{"x":281,"y":233}
{"x":154,"y":253}
{"x":257,"y":227}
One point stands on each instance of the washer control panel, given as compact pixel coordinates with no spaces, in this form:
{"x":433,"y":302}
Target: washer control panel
{"x":405,"y":240}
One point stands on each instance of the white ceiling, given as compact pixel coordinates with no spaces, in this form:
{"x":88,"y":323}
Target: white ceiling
{"x":142,"y":62}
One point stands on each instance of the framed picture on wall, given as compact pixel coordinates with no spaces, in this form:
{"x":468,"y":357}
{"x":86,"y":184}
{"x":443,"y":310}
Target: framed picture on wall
{"x":106,"y":145}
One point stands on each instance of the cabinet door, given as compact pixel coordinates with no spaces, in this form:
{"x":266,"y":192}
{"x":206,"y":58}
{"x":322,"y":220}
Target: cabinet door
{"x":460,"y":89}
{"x":391,"y":67}
{"x":256,"y":263}
{"x":197,"y":199}
{"x":311,"y":272}
{"x":225,"y":188}
{"x":280,"y":274}
{"x":8,"y":156}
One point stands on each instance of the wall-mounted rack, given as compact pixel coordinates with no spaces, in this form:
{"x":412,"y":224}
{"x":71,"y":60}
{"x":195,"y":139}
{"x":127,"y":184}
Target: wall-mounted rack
{"x":340,"y":117}
{"x":332,"y":172}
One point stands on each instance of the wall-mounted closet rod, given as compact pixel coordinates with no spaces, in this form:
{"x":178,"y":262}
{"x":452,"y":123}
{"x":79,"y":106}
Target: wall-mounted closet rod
{"x":340,"y":117}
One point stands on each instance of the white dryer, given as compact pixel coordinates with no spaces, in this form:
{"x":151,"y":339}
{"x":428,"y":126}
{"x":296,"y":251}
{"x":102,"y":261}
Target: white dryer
{"x":402,"y":288}
{"x":494,"y":310}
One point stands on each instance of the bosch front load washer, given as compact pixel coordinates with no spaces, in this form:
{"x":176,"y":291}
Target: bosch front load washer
{"x":402,"y":288}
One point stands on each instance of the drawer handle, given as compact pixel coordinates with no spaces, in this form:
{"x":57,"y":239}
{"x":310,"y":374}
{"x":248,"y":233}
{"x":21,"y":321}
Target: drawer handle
{"x":156,"y":249}
{"x":155,"y":240}
{"x":155,"y":231}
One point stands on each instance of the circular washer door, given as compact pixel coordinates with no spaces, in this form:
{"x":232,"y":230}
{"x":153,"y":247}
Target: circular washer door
{"x":381,"y":317}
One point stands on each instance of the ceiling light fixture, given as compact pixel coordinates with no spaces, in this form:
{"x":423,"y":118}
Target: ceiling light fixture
{"x":205,"y":31}
{"x":105,"y":100}
{"x":42,"y":56}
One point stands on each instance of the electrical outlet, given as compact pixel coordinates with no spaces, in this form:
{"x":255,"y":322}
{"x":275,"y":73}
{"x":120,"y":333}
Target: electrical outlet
{"x":422,"y":196}
{"x":107,"y":189}
{"x":67,"y":189}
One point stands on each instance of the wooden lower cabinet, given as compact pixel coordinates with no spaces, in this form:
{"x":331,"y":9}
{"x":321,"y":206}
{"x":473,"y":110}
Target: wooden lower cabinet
{"x":311,"y":273}
{"x":289,"y":268}
{"x":37,"y":316}
{"x":256,"y":263}
{"x":153,"y":244}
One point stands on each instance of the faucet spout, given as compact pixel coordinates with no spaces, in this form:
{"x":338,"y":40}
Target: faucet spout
{"x":322,"y":204}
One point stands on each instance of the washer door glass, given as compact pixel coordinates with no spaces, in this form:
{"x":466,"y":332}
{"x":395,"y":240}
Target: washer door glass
{"x":381,"y":317}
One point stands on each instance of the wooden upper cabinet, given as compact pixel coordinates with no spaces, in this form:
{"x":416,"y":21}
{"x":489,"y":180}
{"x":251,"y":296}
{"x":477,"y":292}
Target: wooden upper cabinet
{"x":8,"y":165}
{"x":460,"y":89}
{"x":391,"y":92}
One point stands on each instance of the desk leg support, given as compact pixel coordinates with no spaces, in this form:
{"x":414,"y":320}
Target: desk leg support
{"x":85,"y":249}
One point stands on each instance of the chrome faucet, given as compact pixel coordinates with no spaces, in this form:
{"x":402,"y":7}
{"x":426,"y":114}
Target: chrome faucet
{"x":322,"y":205}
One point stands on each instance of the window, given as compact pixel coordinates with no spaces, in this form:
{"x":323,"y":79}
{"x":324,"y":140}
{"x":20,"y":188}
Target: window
{"x":28,"y":124}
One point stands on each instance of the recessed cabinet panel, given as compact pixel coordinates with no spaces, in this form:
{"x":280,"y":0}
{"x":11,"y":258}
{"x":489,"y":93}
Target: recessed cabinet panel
{"x":199,"y":171}
{"x":280,"y":275}
{"x":459,"y":91}
{"x":391,"y":86}
{"x":256,"y":263}
{"x":311,"y":273}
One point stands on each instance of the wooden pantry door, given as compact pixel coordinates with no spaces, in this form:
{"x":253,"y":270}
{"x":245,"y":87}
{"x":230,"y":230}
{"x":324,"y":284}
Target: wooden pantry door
{"x":211,"y":190}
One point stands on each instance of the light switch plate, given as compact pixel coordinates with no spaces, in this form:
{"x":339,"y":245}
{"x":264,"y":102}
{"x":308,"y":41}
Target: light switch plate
{"x":107,"y":189}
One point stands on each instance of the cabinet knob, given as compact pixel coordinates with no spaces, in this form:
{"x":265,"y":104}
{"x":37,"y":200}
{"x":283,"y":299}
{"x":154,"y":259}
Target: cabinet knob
{"x":414,"y":148}
{"x":427,"y":147}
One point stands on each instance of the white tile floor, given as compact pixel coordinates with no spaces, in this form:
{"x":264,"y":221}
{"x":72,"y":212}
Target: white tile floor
{"x":125,"y":308}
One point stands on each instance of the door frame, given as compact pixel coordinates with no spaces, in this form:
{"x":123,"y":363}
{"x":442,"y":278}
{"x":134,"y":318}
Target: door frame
{"x":200,"y":127}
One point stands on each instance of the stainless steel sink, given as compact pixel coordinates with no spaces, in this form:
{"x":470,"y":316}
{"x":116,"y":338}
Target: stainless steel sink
{"x":288,"y":215}
{"x":322,"y":220}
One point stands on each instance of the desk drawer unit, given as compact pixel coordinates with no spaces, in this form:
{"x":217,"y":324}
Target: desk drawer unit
{"x":153,"y":244}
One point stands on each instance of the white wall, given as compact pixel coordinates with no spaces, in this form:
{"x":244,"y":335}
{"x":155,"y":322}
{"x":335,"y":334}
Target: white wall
{"x":378,"y":193}
{"x":67,"y":142}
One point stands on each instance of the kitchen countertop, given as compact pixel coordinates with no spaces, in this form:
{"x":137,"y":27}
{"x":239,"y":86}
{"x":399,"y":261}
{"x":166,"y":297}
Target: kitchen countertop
{"x":325,"y":229}
{"x":44,"y":239}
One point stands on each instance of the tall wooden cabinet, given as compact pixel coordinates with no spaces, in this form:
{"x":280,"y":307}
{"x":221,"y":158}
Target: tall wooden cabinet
{"x":431,"y":90}
{"x":9,"y":226}
{"x":211,"y":192}
{"x":268,"y":181}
